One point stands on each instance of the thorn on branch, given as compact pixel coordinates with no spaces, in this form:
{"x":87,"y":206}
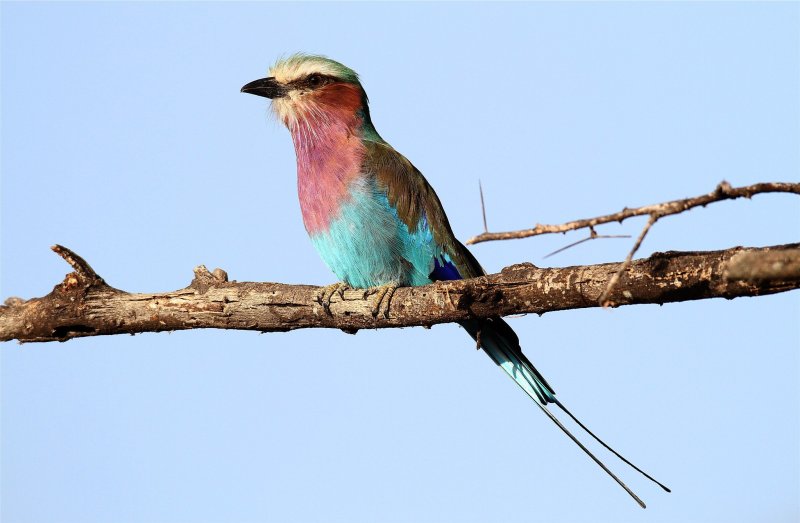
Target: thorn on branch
{"x":483,"y":208}
{"x":82,"y":269}
{"x":83,"y":276}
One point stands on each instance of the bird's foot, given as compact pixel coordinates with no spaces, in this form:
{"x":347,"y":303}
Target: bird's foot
{"x":385,"y":293}
{"x":326,"y":293}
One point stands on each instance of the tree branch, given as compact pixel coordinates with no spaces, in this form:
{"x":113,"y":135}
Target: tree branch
{"x":85,"y":305}
{"x":724,"y":191}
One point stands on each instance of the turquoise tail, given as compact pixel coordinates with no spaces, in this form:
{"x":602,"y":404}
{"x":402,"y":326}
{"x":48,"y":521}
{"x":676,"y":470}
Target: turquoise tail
{"x":501,"y":343}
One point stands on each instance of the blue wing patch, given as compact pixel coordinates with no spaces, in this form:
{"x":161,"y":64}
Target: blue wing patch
{"x":444,"y":269}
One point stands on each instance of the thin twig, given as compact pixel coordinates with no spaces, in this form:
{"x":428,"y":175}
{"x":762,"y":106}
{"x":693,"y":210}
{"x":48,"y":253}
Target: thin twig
{"x":723,"y":192}
{"x":592,"y":236}
{"x":603,"y":300}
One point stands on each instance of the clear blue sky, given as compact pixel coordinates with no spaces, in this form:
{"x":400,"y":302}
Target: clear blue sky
{"x":125,"y":138}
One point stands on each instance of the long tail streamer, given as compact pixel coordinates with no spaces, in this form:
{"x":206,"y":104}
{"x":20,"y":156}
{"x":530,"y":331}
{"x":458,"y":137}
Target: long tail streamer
{"x":501,"y":344}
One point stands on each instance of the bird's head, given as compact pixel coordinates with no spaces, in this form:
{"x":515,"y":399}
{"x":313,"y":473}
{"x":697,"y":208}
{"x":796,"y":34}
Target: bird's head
{"x":313,"y":91}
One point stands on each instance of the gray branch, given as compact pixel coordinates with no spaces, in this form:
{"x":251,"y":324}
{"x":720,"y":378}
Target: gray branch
{"x":85,"y":305}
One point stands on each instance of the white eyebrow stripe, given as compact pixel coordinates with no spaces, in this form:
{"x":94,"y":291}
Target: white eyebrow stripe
{"x":291,"y":70}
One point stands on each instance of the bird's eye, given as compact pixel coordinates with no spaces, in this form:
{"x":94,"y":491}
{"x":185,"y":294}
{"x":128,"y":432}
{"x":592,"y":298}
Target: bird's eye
{"x":315,"y":80}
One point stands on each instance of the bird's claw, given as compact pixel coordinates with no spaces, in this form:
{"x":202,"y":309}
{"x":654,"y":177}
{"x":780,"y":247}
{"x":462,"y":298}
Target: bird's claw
{"x":326,"y":293}
{"x":385,"y":293}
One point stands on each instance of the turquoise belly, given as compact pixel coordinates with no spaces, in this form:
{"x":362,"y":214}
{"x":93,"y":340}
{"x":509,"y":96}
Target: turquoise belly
{"x":367,"y":245}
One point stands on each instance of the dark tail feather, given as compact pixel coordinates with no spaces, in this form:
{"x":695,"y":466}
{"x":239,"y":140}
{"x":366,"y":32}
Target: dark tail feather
{"x":603,"y":443}
{"x":594,"y":458}
{"x":502,"y":345}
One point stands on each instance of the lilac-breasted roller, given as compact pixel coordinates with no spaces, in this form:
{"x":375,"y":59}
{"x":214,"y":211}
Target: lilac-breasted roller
{"x":373,"y":217}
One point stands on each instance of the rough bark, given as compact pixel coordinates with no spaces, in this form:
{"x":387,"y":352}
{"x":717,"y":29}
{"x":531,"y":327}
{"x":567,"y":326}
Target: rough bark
{"x":85,"y":305}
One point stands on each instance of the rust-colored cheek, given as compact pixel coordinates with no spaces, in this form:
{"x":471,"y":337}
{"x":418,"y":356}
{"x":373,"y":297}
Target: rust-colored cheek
{"x":344,"y":98}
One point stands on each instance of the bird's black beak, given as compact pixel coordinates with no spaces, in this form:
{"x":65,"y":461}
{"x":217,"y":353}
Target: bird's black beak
{"x":267,"y":87}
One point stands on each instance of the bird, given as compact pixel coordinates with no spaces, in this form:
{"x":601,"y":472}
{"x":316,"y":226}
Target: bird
{"x":376,"y":221}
